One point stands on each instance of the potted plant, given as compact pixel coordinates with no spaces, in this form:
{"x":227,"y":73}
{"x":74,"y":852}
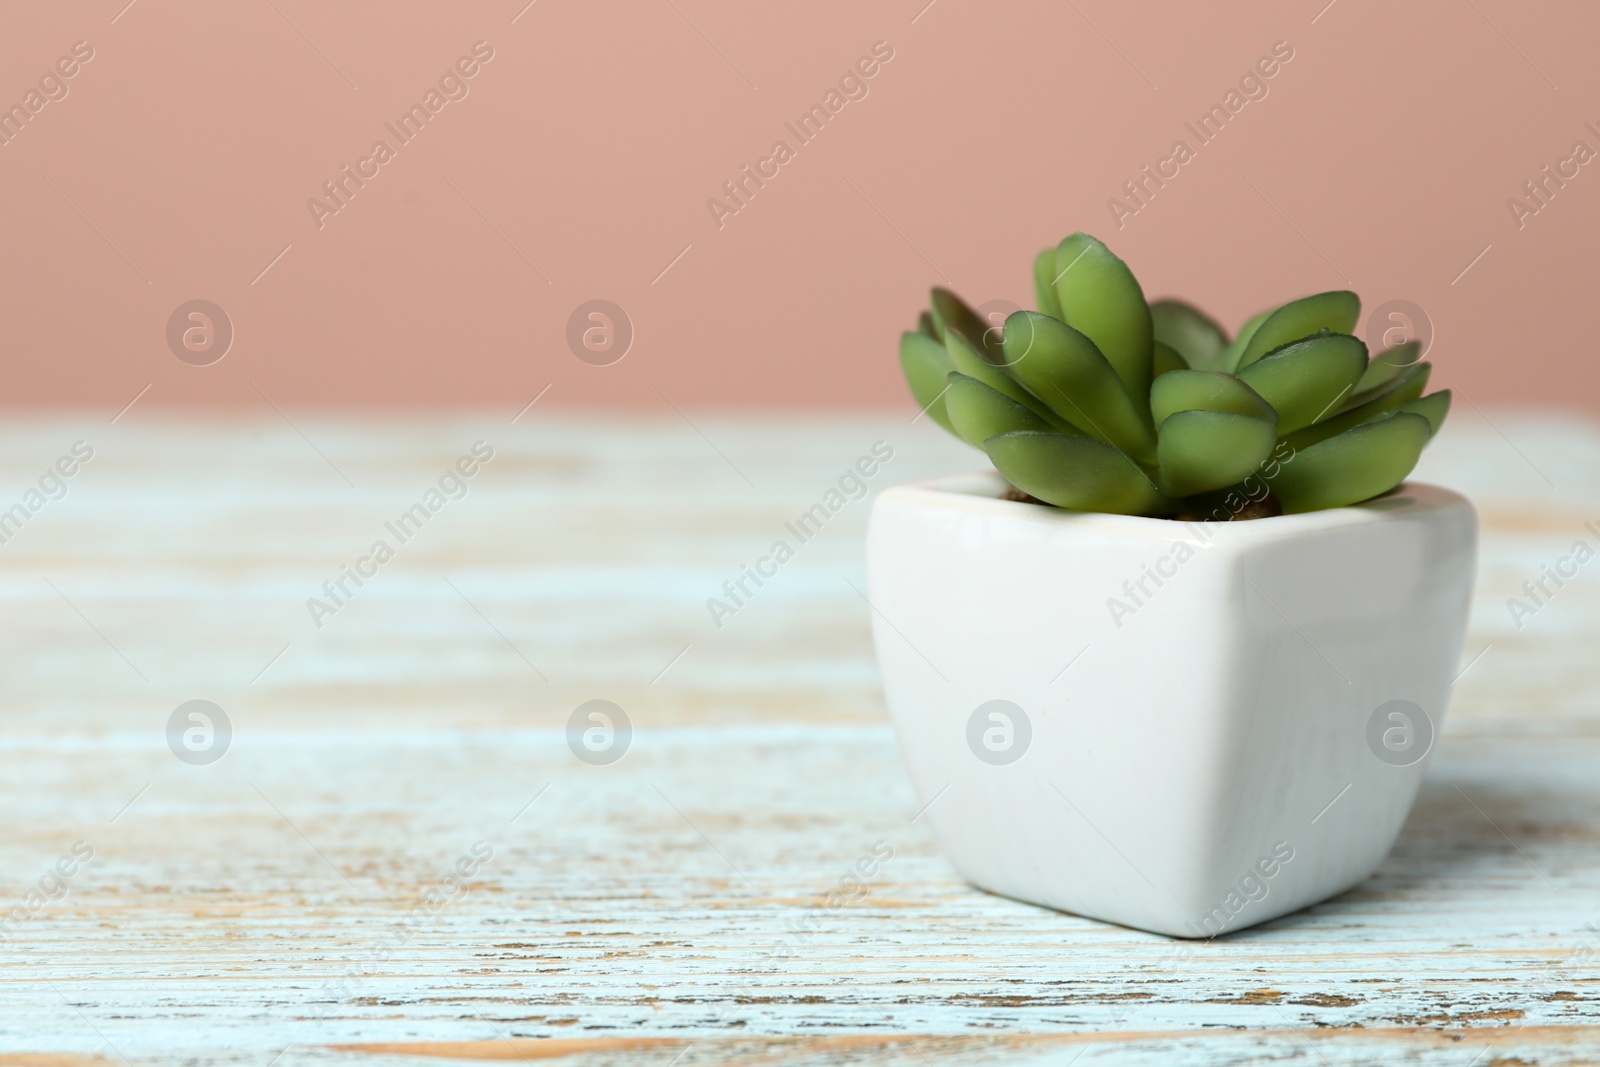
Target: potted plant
{"x":1177,"y":665}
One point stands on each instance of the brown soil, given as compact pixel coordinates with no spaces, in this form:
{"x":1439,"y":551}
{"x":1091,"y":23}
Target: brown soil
{"x":1265,"y":508}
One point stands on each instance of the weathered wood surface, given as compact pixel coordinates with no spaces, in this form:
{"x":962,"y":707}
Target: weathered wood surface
{"x":245,"y":911}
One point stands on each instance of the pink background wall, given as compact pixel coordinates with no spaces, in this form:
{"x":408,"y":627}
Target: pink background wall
{"x":579,"y":165}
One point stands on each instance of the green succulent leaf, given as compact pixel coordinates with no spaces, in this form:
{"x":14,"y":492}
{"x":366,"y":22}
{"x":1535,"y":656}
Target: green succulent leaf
{"x":1228,"y":359}
{"x":967,"y":359}
{"x":1064,"y":369}
{"x":1186,"y":328}
{"x":1381,"y":373}
{"x":1166,"y":360}
{"x":1044,"y":283}
{"x":1406,"y":385}
{"x":1204,"y":450}
{"x":925,"y":325}
{"x":1433,"y":407}
{"x":1204,"y":390}
{"x":1400,"y":390}
{"x":1306,"y":380}
{"x":1357,"y":465}
{"x":951,"y":314}
{"x":1079,"y":473}
{"x":1101,"y":299}
{"x":927,"y":368}
{"x":1335,"y":312}
{"x":978,"y":412}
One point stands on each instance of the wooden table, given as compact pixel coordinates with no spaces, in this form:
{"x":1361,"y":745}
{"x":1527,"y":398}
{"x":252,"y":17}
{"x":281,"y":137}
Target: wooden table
{"x":294,"y":902}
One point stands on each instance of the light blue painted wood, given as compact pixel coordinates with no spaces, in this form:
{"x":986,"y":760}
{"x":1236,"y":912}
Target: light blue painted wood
{"x":677,"y":899}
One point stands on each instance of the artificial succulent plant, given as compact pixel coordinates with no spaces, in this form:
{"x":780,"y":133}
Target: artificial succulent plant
{"x":1100,"y":401}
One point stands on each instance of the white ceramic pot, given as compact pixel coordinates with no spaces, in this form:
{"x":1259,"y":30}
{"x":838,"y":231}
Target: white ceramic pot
{"x":1187,"y":728}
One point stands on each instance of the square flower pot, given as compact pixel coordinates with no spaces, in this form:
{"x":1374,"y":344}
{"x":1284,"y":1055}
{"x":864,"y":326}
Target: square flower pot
{"x":1187,"y":728}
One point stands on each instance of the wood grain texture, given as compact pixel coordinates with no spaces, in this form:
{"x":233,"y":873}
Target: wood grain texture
{"x":292,"y":903}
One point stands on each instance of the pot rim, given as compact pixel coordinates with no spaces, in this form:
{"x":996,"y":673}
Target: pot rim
{"x":978,"y":492}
